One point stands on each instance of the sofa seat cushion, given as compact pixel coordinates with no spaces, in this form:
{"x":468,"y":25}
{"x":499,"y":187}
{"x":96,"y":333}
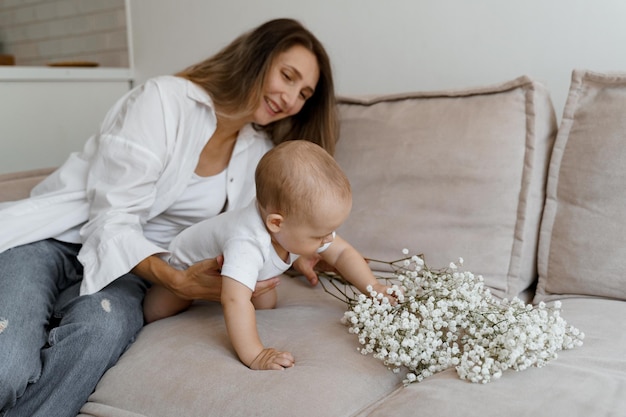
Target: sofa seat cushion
{"x":451,"y":174}
{"x":582,"y":382}
{"x":185,"y":366}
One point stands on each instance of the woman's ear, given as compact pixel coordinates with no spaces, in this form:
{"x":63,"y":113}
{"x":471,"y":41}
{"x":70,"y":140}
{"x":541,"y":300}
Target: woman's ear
{"x":274,"y":222}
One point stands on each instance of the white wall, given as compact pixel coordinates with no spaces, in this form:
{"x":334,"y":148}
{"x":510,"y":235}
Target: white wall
{"x":387,"y":46}
{"x":376,"y":46}
{"x":47,"y":113}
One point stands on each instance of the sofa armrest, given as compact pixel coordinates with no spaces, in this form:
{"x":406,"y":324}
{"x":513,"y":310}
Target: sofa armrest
{"x":17,"y":185}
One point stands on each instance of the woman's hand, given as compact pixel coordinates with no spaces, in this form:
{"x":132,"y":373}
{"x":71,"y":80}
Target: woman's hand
{"x":201,"y":281}
{"x":307,"y":265}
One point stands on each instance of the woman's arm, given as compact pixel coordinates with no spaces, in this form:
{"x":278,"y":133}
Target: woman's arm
{"x":126,"y":162}
{"x":201,"y":280}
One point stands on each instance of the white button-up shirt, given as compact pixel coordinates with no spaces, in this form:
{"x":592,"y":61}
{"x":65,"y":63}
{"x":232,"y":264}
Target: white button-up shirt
{"x":132,"y":170}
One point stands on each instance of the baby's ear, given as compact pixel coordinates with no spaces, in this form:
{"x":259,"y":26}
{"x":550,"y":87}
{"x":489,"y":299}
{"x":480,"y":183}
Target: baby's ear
{"x":274,"y":222}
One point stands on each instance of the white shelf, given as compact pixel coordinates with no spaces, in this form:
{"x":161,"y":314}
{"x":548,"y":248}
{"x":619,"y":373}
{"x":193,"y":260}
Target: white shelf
{"x":25,"y":73}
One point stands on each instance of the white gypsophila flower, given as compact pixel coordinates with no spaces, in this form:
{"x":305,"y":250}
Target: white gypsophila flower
{"x":448,"y":319}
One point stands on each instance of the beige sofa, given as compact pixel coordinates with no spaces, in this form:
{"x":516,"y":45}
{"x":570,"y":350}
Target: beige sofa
{"x":538,"y":209}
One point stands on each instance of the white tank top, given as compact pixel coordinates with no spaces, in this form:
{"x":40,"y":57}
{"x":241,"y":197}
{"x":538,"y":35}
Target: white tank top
{"x":204,"y":197}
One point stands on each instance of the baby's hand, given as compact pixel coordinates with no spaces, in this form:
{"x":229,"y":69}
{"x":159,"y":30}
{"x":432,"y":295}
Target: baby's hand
{"x":384,"y":290}
{"x":271,"y":359}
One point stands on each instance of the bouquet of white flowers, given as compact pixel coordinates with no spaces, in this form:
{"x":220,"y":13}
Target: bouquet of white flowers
{"x":447,"y":318}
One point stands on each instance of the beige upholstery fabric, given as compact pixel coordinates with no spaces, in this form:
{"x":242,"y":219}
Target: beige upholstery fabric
{"x":583,"y":236}
{"x":185,"y":366}
{"x":583,"y":382}
{"x":473,"y":144}
{"x":15,"y":186}
{"x":451,"y":174}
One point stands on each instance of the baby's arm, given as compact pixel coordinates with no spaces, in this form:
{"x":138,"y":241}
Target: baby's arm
{"x":352,"y":266}
{"x":161,"y":302}
{"x":266,"y":300}
{"x":241,"y":325}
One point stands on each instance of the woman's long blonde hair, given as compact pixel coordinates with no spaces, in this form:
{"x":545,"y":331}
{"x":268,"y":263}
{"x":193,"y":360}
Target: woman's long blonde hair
{"x":234,"y":79}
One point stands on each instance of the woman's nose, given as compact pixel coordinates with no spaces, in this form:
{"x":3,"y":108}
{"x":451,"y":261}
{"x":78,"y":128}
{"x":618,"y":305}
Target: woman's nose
{"x":289,"y":98}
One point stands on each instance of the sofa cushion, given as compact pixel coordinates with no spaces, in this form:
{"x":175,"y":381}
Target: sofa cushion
{"x":17,"y":185}
{"x":185,"y":366}
{"x":582,"y":249}
{"x":582,"y":382}
{"x":451,"y":174}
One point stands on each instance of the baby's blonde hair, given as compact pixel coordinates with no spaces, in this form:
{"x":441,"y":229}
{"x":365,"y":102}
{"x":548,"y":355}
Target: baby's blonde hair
{"x":291,"y":177}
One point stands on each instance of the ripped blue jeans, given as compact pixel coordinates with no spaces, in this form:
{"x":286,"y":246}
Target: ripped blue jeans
{"x":54,"y":344}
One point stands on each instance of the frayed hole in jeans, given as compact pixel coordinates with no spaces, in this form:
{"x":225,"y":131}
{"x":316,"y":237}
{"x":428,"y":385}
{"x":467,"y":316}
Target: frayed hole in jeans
{"x":4,"y":323}
{"x":106,"y":305}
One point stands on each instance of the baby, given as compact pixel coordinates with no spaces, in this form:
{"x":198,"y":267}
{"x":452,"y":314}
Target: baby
{"x":303,"y":196}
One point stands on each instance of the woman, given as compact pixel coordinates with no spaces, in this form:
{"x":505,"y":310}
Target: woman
{"x":77,"y":257}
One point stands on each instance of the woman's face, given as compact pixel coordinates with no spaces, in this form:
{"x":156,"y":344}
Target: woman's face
{"x":291,"y":80}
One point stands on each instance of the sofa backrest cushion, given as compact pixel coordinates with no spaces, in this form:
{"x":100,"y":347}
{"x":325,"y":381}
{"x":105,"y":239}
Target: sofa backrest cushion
{"x":582,"y":244}
{"x":451,"y":174}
